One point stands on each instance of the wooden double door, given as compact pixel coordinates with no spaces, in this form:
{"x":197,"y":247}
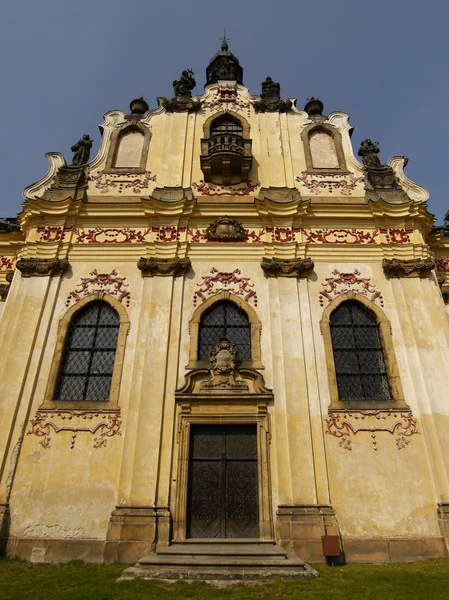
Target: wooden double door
{"x":223,"y":482}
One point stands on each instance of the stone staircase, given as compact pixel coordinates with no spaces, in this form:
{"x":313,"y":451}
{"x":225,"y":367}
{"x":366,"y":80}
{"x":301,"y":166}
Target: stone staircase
{"x":234,"y":560}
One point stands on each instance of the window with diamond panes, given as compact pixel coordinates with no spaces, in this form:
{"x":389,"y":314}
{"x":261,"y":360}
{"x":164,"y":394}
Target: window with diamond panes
{"x":358,"y":355}
{"x":89,"y":354}
{"x":224,"y":319}
{"x":226,"y":125}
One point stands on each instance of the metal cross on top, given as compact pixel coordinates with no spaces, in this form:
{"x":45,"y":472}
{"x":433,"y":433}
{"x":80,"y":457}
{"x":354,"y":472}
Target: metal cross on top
{"x":224,"y":40}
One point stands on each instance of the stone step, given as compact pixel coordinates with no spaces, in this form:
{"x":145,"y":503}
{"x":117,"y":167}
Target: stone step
{"x":197,"y":549}
{"x":220,"y":561}
{"x":236,"y":574}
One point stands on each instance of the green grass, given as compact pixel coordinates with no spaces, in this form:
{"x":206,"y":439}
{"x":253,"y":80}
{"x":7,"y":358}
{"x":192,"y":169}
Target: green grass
{"x":78,"y":581}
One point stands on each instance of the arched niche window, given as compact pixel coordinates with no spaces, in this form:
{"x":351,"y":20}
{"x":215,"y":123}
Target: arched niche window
{"x":224,"y":319}
{"x":226,"y":124}
{"x":89,"y":353}
{"x":361,"y":362}
{"x":225,"y":315}
{"x":128,"y":150}
{"x":323,"y":148}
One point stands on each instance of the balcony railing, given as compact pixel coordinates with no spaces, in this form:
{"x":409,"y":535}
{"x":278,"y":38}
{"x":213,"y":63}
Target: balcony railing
{"x":226,"y":158}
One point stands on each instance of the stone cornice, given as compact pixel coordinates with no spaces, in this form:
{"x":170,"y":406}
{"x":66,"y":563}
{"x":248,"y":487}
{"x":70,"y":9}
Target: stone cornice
{"x":163,"y":267}
{"x":42,"y":267}
{"x":277,"y":267}
{"x":416,"y":267}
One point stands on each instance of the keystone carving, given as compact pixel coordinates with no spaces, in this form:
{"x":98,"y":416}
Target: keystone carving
{"x":224,"y":372}
{"x":277,"y":267}
{"x":270,"y":98}
{"x":42,"y":267}
{"x":226,"y":228}
{"x":416,"y":267}
{"x":163,"y":267}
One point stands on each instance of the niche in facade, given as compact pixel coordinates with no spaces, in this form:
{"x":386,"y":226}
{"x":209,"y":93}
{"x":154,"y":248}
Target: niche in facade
{"x":129,"y":148}
{"x":323,"y":150}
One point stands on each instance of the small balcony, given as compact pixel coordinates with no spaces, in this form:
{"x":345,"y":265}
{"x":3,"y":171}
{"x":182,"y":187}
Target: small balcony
{"x":226,"y":158}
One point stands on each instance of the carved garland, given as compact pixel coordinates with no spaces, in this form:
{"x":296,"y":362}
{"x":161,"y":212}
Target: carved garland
{"x":341,"y":282}
{"x":109,"y":283}
{"x":344,"y":425}
{"x":135,"y":182}
{"x":108,"y":425}
{"x":224,"y":281}
{"x":316,"y":182}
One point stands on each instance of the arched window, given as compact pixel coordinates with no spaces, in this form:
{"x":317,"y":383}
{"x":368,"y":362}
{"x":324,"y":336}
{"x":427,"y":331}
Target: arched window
{"x":360,"y":365}
{"x":224,"y":319}
{"x":89,"y":353}
{"x":226,"y":124}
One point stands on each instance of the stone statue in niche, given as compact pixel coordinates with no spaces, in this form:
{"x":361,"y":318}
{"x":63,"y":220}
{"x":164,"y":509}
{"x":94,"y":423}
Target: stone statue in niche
{"x":271,"y":98}
{"x":368,"y":151}
{"x":226,"y":228}
{"x":184,"y":85}
{"x":224,"y":372}
{"x":82,"y":150}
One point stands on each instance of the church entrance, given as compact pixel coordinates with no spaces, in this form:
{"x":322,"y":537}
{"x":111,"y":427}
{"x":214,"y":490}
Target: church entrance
{"x":223,"y":482}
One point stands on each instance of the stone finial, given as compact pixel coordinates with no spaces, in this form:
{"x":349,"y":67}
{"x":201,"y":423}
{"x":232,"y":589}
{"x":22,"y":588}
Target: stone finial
{"x":163,"y":267}
{"x":314,"y":107}
{"x":82,"y":150}
{"x":224,"y":66}
{"x":42,"y":267}
{"x":277,"y":267}
{"x":139,"y":106}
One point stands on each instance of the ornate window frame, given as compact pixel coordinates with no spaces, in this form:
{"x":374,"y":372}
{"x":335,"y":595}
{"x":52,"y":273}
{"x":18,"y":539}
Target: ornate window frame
{"x":116,"y":138}
{"x":222,"y":113}
{"x":255,"y":331}
{"x":398,"y":401}
{"x":336,"y":135}
{"x":63,"y":329}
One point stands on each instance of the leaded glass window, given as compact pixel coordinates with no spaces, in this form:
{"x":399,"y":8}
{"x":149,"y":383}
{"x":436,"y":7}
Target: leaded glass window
{"x":224,"y":319}
{"x":358,"y":355}
{"x":225,"y":125}
{"x":89,"y":354}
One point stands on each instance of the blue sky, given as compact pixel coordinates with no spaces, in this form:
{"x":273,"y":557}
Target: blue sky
{"x":64,"y":65}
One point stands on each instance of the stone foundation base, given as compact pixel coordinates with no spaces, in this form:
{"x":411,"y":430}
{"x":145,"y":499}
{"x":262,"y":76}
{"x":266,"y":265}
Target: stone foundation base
{"x":47,"y":550}
{"x":381,"y":550}
{"x":299,"y":529}
{"x":134,"y":531}
{"x":4,"y":527}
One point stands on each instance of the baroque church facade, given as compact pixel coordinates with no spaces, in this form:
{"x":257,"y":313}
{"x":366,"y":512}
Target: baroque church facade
{"x":225,"y":326}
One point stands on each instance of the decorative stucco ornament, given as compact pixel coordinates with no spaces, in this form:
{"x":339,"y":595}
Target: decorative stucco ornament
{"x":226,"y":229}
{"x":163,"y":267}
{"x":42,"y":267}
{"x":416,"y":267}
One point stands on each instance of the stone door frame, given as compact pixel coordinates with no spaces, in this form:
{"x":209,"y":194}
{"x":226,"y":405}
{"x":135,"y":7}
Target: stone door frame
{"x":220,"y":412}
